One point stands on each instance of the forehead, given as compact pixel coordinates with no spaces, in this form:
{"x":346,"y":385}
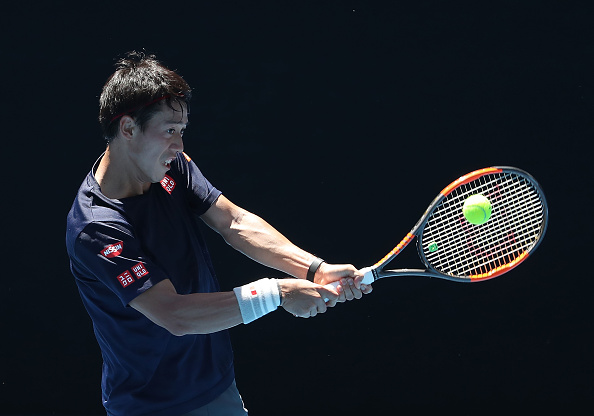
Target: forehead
{"x":176,"y":113}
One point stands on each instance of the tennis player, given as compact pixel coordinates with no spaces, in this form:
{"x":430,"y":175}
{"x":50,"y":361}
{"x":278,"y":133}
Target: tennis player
{"x":142,"y":268}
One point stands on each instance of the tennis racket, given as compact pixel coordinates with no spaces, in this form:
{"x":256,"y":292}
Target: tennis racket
{"x":454,"y":249}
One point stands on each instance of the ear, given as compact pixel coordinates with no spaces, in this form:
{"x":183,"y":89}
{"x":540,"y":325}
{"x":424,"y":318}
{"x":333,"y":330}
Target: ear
{"x":127,"y":127}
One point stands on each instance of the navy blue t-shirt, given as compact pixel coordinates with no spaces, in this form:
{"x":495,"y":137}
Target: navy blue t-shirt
{"x":120,"y":248}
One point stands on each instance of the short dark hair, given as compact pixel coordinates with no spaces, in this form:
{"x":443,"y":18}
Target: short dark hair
{"x":138,"y":85}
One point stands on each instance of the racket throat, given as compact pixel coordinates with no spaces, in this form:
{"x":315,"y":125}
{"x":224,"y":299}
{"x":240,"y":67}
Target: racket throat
{"x":408,"y":272}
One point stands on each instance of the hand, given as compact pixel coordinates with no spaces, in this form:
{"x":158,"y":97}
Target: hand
{"x":349,"y":278}
{"x":305,"y":299}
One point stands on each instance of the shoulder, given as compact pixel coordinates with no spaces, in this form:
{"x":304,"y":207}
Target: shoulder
{"x":92,"y":210}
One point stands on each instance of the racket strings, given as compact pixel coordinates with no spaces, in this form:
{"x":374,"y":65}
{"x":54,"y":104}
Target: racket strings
{"x":455,"y":247}
{"x":501,"y":246}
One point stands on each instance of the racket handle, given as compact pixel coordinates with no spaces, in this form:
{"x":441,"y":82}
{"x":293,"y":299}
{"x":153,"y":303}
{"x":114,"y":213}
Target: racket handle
{"x":368,"y":277}
{"x":367,"y":280}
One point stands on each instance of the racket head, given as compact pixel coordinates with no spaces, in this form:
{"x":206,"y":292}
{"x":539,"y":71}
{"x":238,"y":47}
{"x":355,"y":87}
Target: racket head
{"x":454,"y":249}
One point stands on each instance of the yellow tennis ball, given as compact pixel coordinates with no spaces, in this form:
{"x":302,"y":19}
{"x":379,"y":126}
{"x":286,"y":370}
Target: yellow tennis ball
{"x":477,"y":209}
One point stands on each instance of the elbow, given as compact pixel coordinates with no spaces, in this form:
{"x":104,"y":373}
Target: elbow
{"x":180,"y":330}
{"x":179,"y":326}
{"x":177,"y":329}
{"x":205,"y":326}
{"x":169,"y":322}
{"x":176,"y":326}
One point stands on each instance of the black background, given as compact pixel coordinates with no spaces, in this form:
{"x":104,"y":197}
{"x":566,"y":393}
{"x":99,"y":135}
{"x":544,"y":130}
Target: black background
{"x":338,"y":122}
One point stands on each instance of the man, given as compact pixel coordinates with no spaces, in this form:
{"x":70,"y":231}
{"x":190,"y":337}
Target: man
{"x":142,"y":268}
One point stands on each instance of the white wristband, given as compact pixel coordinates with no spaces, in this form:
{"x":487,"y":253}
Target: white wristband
{"x":258,"y":298}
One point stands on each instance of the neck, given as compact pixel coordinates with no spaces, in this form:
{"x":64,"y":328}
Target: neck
{"x":114,"y":177}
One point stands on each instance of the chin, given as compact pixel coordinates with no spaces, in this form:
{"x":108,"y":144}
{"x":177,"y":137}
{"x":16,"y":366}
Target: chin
{"x":159,"y":180}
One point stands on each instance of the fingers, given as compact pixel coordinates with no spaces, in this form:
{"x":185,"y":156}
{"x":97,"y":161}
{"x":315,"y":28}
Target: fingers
{"x":354,"y":289}
{"x":328,"y":298}
{"x":330,"y":295}
{"x":330,"y":303}
{"x":305,"y":299}
{"x":328,"y":273}
{"x":366,"y":289}
{"x":314,"y":310}
{"x":350,"y":278}
{"x":358,"y":279}
{"x":350,"y":289}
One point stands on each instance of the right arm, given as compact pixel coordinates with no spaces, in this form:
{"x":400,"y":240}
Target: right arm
{"x":196,"y":313}
{"x":204,"y":313}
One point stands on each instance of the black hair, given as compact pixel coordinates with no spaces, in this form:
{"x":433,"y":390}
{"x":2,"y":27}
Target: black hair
{"x":136,"y":88}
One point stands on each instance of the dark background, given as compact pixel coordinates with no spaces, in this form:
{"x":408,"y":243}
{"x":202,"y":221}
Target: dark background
{"x":338,"y":122}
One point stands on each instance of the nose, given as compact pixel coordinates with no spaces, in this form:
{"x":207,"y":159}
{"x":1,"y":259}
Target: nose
{"x":178,"y":143}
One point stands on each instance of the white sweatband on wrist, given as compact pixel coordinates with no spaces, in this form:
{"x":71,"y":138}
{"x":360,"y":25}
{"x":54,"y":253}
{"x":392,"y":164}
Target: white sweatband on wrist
{"x":258,"y":298}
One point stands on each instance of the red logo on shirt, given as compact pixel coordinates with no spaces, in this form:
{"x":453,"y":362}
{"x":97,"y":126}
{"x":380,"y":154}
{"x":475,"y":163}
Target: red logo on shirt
{"x":139,"y":270}
{"x":125,"y":278}
{"x":113,"y":250}
{"x":168,"y":184}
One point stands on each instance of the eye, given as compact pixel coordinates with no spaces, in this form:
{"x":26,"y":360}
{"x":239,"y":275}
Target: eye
{"x":172,"y":131}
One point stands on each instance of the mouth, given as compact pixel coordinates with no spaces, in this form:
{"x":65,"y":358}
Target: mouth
{"x":167,"y":163}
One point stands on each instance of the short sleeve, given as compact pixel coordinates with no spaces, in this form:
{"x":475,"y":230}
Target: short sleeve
{"x":202,"y":194}
{"x":111,"y":254}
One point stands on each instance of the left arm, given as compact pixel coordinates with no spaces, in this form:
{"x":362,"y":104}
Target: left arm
{"x":257,"y":239}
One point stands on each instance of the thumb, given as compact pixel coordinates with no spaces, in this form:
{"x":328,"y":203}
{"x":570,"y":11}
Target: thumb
{"x":329,"y":291}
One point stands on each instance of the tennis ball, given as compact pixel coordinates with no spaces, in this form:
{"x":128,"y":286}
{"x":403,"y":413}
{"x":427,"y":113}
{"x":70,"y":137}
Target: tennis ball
{"x":477,"y":209}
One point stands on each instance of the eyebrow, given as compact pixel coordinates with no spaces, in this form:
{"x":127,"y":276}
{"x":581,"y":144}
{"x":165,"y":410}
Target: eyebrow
{"x":177,"y":122}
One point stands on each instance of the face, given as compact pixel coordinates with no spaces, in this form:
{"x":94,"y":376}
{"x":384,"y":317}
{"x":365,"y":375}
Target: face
{"x":152,"y":150}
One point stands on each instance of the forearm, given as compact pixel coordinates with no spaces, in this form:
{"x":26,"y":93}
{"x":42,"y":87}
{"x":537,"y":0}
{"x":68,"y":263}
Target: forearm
{"x":196,"y":313}
{"x":254,"y":237}
{"x":258,"y":240}
{"x":206,"y":313}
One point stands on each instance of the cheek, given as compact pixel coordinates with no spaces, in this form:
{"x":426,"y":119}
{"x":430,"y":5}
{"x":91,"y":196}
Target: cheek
{"x":155,"y":147}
